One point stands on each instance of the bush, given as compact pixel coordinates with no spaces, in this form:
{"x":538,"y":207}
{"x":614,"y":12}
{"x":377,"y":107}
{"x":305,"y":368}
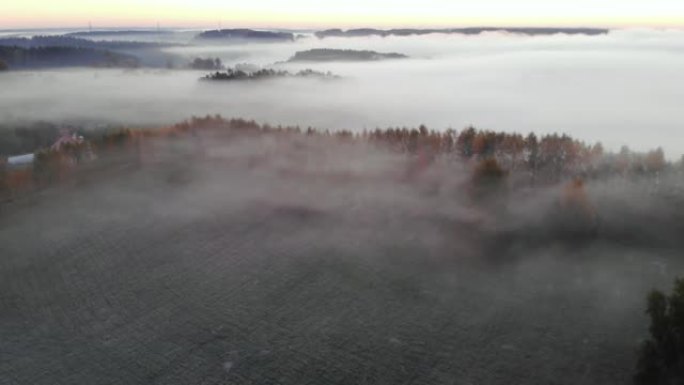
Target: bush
{"x":661,"y":358}
{"x":3,"y":66}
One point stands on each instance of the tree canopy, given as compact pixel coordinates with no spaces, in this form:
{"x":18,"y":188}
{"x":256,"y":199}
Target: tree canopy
{"x":661,"y":358}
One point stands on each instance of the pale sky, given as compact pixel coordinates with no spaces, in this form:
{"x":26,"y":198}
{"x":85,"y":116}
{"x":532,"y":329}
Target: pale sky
{"x":340,"y":13}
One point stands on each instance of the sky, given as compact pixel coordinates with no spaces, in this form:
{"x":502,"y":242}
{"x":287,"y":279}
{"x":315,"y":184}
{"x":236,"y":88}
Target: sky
{"x":339,"y":13}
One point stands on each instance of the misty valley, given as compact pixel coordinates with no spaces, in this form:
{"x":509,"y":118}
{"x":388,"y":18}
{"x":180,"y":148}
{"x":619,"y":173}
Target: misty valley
{"x":360,"y":206}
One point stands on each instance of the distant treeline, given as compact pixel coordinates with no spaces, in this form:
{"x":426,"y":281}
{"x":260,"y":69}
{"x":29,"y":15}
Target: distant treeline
{"x":546,"y":158}
{"x":537,"y":160}
{"x":245,"y":34}
{"x":254,"y":35}
{"x":74,"y":42}
{"x":262,"y":74}
{"x":328,"y":54}
{"x":121,"y":32}
{"x":361,"y":32}
{"x":56,"y":57}
{"x":69,"y":51}
{"x":206,"y":64}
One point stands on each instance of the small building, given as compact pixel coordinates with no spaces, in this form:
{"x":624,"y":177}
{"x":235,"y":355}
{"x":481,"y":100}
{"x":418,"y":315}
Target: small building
{"x":20,"y":161}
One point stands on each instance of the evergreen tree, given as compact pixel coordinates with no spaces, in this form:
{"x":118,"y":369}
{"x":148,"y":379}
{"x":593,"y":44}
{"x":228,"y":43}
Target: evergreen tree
{"x":661,"y":358}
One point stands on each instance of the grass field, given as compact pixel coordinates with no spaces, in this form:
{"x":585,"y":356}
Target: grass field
{"x":261,"y":265}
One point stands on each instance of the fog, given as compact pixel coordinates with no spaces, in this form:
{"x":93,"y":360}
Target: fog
{"x":271,"y":255}
{"x":236,"y":254}
{"x":624,"y":88}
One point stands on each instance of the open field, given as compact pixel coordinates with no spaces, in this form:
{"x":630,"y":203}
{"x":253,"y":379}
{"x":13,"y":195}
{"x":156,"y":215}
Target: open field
{"x":267,"y":263}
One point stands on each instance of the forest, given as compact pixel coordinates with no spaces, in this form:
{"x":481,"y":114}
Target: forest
{"x":235,"y":74}
{"x":245,"y":35}
{"x":68,"y":50}
{"x":73,"y":41}
{"x":55,"y":57}
{"x":505,"y":212}
{"x":329,"y":54}
{"x":528,"y":160}
{"x":465,"y":31}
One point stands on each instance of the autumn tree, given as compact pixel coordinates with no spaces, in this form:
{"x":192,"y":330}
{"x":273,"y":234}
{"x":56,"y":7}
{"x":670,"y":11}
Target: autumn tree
{"x":597,"y":150}
{"x":655,"y":160}
{"x":488,"y":180}
{"x":532,"y":151}
{"x":464,"y":143}
{"x":206,"y":64}
{"x":483,"y":144}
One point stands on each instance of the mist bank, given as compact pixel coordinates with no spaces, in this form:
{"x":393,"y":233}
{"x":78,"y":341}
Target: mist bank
{"x":267,"y":250}
{"x":610,"y":88}
{"x":253,"y":250}
{"x":498,"y":163}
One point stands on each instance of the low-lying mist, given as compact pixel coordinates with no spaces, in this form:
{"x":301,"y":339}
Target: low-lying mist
{"x":612,"y":88}
{"x":242,"y":257}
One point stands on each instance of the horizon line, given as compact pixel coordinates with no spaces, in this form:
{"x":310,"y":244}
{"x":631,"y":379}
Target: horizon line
{"x":380,"y":28}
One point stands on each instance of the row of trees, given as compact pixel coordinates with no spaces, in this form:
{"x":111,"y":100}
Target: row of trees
{"x":206,"y":64}
{"x":549,"y":157}
{"x":236,"y":74}
{"x":57,"y":57}
{"x":545,"y":159}
{"x":329,"y":54}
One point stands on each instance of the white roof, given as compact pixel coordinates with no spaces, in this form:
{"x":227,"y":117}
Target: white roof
{"x":20,"y":160}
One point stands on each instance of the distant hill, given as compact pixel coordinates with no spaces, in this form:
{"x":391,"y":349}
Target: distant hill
{"x":119,"y":32}
{"x":245,"y":35}
{"x":359,"y":32}
{"x":60,"y":57}
{"x":145,"y":54}
{"x":327,"y":54}
{"x":74,"y":42}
